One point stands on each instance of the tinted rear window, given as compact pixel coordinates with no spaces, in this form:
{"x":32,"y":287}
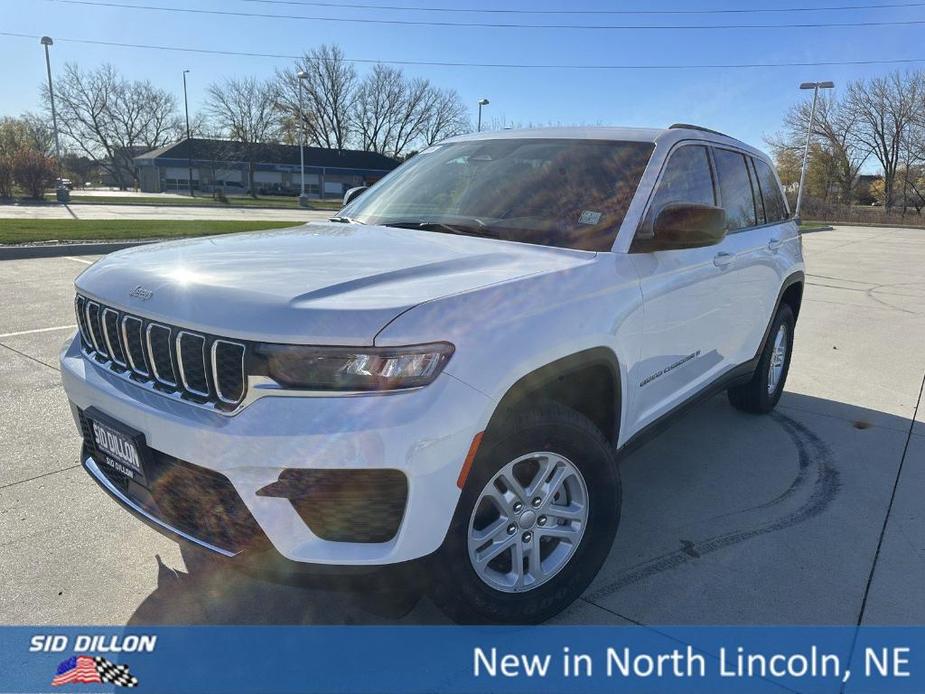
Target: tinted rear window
{"x":775,"y":209}
{"x":735,"y":189}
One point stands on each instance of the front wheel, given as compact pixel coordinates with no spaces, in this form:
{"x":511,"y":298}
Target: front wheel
{"x":535,"y":520}
{"x":762,"y":392}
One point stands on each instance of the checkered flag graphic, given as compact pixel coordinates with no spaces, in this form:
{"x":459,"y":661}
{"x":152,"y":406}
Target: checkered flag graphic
{"x":112,"y":673}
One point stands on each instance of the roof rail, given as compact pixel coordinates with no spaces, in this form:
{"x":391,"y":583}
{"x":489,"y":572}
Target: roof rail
{"x":688,"y":126}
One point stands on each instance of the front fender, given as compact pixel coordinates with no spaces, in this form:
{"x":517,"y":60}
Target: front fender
{"x":506,"y":331}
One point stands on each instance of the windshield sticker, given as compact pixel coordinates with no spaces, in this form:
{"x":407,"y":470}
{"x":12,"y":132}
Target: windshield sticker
{"x":589,"y":217}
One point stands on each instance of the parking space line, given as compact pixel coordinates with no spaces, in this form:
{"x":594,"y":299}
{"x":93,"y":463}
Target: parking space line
{"x":27,"y":356}
{"x":38,"y":330}
{"x":78,"y":260}
{"x":889,"y":510}
{"x":44,"y":474}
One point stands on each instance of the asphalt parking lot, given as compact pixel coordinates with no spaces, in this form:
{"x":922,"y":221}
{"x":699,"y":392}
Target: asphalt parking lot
{"x":812,"y":515}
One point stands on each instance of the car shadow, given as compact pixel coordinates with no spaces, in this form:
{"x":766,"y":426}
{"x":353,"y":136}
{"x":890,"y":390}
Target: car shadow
{"x":793,"y":476}
{"x":211,"y":591}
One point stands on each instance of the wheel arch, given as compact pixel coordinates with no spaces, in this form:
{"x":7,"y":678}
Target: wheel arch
{"x":792,"y":293}
{"x":588,"y":381}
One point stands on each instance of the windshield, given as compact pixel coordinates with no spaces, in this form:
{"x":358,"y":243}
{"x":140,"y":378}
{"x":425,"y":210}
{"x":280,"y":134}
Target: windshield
{"x":556,"y":192}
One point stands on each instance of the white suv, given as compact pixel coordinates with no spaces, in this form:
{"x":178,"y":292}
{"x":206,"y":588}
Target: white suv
{"x":449,"y":369}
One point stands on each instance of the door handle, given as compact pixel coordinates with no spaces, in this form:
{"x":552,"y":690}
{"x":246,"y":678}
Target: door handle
{"x":774,"y":244}
{"x":722,"y":259}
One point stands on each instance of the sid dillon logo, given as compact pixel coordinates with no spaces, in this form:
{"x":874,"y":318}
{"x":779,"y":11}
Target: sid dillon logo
{"x":85,"y":669}
{"x":93,"y":669}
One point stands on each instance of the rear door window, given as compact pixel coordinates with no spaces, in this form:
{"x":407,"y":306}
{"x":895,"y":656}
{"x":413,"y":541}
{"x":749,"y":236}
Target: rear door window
{"x":735,"y":188}
{"x":775,"y":208}
{"x":756,"y":192}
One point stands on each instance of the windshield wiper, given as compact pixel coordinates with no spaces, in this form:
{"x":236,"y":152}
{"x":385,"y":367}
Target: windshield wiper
{"x":445,"y":227}
{"x":345,"y":220}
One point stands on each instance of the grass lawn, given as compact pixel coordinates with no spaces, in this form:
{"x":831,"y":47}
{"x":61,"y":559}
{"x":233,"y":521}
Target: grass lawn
{"x":30,"y":230}
{"x":237,"y":200}
{"x":809,"y":226}
{"x":333,"y":204}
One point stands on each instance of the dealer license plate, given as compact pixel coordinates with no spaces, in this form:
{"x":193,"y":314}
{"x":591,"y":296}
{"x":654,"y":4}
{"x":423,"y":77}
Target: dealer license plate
{"x":121,"y":448}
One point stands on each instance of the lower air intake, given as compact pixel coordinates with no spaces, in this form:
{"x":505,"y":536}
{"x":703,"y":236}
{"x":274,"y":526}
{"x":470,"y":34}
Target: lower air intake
{"x":345,"y":505}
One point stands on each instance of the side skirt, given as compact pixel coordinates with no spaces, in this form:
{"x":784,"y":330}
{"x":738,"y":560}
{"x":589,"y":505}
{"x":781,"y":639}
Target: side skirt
{"x":734,"y":377}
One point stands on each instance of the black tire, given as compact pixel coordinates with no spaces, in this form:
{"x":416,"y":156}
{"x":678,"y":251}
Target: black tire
{"x":753,"y":396}
{"x":552,"y":427}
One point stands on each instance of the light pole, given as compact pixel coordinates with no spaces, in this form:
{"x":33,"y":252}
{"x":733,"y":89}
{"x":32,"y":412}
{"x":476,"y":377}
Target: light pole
{"x":189,"y":141}
{"x":302,"y":199}
{"x":46,"y":41}
{"x":815,"y":86}
{"x":482,"y":102}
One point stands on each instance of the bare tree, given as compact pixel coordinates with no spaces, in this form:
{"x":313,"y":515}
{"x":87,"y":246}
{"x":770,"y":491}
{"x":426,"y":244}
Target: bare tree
{"x":384,"y":112}
{"x":448,"y":116}
{"x":329,"y":89}
{"x":38,"y":133}
{"x":835,"y":131}
{"x":244,"y":110}
{"x":111,"y":119}
{"x":886,"y":109}
{"x":912,"y":168}
{"x":147,"y":113}
{"x":838,"y":126}
{"x":376,"y":107}
{"x":393,"y":114}
{"x":413,"y":114}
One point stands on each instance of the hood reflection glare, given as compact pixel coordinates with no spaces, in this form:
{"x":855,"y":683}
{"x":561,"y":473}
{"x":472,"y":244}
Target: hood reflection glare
{"x":185,"y":276}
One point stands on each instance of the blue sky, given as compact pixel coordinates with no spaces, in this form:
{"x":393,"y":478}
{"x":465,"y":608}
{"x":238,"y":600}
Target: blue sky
{"x":746,"y":103}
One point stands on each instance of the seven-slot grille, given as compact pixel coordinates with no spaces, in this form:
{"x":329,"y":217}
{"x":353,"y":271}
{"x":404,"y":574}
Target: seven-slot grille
{"x":187,"y":364}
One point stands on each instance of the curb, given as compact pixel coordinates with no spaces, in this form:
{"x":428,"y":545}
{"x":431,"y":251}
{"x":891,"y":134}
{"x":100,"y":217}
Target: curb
{"x":813,"y":230}
{"x":203,"y":206}
{"x":916,"y":227}
{"x":62,"y":249}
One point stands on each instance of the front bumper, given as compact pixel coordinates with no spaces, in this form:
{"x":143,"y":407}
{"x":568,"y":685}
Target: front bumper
{"x":424,"y":434}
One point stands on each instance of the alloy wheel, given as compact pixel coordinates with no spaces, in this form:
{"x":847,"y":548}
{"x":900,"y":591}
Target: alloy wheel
{"x":778,"y":358}
{"x":528,"y":521}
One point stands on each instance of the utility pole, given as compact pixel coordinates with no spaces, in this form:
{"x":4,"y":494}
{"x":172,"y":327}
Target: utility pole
{"x":46,"y":41}
{"x":482,"y":102}
{"x":60,"y":191}
{"x":302,"y":199}
{"x":815,"y":86}
{"x":189,"y":140}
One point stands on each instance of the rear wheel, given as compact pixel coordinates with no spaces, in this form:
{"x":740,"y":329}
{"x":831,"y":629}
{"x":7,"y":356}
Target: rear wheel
{"x":535,"y":521}
{"x":762,"y":392}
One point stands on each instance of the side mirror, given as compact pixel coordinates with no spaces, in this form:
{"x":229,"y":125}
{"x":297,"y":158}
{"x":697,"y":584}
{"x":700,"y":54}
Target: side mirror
{"x":354,"y":193}
{"x":689,"y":225}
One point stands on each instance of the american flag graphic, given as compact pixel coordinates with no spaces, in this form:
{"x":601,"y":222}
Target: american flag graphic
{"x":85,"y":669}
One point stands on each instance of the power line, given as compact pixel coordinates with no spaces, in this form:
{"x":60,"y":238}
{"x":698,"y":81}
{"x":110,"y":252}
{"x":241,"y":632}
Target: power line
{"x":516,"y":66}
{"x":492,"y":25}
{"x":478,"y":10}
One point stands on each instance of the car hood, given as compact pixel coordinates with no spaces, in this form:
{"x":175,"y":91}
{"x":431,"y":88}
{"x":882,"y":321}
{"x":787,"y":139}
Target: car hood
{"x":321,"y":283}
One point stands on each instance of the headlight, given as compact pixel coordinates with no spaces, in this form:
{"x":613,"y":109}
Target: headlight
{"x":353,"y":368}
